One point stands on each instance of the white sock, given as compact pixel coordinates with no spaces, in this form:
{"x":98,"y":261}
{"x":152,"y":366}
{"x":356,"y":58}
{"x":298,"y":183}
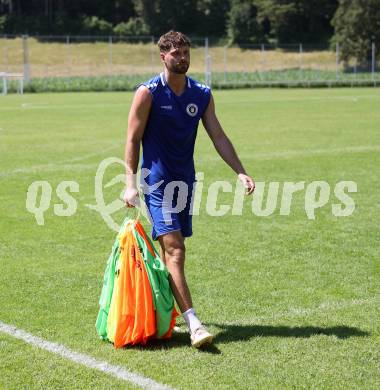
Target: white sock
{"x":191,"y":319}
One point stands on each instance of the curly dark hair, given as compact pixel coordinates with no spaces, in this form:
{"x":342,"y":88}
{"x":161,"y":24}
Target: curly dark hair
{"x":172,"y":39}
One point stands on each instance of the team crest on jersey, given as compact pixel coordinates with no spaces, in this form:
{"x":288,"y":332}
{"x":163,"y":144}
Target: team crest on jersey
{"x":192,"y":109}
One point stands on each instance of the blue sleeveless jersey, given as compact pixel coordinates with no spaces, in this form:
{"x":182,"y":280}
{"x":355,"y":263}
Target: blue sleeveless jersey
{"x":169,"y":137}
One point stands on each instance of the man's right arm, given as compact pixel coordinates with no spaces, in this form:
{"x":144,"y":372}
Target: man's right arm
{"x":137,"y":120}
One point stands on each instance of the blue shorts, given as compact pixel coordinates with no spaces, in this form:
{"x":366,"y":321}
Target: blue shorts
{"x":170,"y":211}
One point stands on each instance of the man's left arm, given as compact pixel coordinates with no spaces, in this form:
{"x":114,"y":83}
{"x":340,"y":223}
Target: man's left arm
{"x":224,"y":146}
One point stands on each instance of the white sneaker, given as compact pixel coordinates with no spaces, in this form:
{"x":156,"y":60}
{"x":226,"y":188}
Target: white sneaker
{"x":200,"y":337}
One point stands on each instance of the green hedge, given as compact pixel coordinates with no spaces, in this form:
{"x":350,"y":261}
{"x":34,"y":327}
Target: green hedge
{"x":284,"y":78}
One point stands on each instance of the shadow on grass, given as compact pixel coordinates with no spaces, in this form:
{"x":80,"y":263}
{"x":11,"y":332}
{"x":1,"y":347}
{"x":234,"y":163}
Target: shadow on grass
{"x":232,"y":333}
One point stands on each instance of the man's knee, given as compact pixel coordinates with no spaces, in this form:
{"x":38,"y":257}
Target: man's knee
{"x":174,"y":249}
{"x":175,"y":252}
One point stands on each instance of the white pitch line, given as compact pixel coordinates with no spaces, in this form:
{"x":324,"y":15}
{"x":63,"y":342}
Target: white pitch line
{"x":308,"y":153}
{"x":254,"y":156}
{"x":33,"y":105}
{"x":297,"y":99}
{"x":84,"y":360}
{"x":297,"y":153}
{"x":254,"y":99}
{"x":90,"y":155}
{"x":39,"y":106}
{"x":60,"y":164}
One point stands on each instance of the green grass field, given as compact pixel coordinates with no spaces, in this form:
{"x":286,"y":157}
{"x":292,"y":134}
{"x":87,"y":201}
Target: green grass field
{"x":293,"y":302}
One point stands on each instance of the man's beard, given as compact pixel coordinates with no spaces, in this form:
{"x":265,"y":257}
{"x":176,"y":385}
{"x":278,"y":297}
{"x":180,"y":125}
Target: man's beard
{"x":179,"y":68}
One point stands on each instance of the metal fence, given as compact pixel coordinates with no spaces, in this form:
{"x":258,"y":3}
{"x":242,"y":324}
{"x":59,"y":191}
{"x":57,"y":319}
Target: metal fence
{"x":72,"y":57}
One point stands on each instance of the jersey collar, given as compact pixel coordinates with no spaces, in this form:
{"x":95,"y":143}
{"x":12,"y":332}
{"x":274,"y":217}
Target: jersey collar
{"x":163,"y":81}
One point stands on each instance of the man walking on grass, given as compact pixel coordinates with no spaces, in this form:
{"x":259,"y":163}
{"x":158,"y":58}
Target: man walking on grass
{"x":164,"y":116}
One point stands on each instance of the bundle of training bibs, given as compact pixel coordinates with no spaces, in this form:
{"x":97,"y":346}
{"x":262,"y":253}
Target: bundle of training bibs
{"x":136,"y":302}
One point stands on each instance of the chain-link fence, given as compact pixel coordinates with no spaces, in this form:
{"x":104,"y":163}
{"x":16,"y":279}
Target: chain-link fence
{"x":295,"y":64}
{"x":123,"y":62}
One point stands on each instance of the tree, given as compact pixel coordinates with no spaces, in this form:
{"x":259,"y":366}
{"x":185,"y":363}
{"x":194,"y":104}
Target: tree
{"x":212,"y":18}
{"x":242,"y":22}
{"x":164,"y":15}
{"x":193,"y":17}
{"x":357,"y":25}
{"x":287,"y":21}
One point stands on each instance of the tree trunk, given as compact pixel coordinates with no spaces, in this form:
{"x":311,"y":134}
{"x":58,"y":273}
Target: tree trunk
{"x":10,"y":5}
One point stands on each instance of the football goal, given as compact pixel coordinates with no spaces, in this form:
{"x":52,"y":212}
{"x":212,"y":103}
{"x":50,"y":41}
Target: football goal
{"x":6,"y":77}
